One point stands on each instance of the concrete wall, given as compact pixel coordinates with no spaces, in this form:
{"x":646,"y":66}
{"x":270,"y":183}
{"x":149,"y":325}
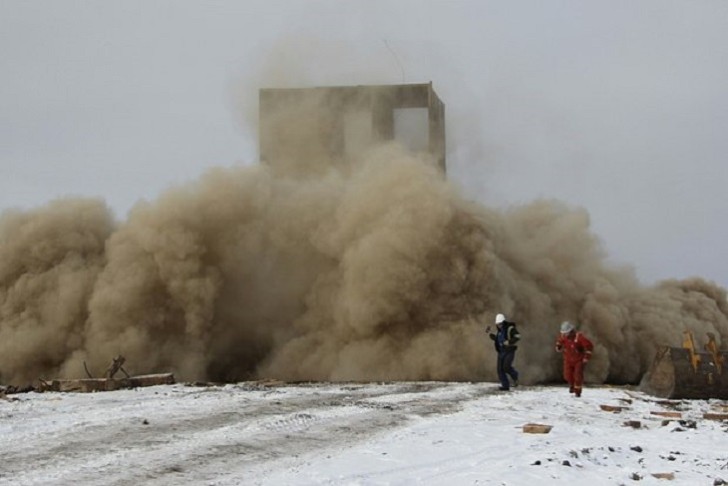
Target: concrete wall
{"x":310,"y":128}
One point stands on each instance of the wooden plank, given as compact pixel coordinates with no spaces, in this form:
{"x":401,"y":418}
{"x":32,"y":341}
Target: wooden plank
{"x":150,"y":380}
{"x":612,"y":408}
{"x":667,"y":414}
{"x":88,"y":385}
{"x":715,"y":416}
{"x":84,"y":385}
{"x":537,"y":428}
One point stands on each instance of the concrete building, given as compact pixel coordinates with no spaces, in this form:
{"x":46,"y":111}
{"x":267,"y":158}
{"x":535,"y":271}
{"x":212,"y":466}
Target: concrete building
{"x":310,"y":128}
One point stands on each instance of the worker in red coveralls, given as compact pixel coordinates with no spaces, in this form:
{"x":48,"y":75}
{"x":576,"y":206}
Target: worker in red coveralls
{"x":577,"y":351}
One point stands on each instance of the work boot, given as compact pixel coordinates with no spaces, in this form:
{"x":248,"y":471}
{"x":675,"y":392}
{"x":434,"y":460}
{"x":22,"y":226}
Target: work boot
{"x":571,"y":389}
{"x":515,"y":382}
{"x":577,"y":393}
{"x":502,"y":388}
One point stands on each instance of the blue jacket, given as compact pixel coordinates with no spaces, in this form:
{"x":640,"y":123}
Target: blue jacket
{"x":506,"y":337}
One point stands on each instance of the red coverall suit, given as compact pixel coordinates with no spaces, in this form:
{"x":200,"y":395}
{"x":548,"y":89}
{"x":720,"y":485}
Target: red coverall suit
{"x":577,"y":350}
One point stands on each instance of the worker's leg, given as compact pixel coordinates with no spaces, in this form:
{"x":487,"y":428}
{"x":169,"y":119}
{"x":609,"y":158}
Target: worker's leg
{"x":578,"y":377}
{"x":502,"y":371}
{"x":569,"y":375}
{"x":508,"y":358}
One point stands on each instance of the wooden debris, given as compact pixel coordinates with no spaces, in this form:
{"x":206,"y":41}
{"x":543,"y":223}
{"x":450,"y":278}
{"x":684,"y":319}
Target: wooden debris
{"x":115,"y":366}
{"x":108,"y":382}
{"x":635,"y":424}
{"x":673,"y":404}
{"x":11,"y":390}
{"x":690,"y":424}
{"x":537,"y":428}
{"x":667,"y":414}
{"x":715,"y":416}
{"x":86,"y":385}
{"x":669,"y":476}
{"x":612,"y":408}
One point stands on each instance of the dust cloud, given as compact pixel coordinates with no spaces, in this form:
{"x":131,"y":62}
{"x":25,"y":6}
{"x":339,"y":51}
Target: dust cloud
{"x":378,"y":269}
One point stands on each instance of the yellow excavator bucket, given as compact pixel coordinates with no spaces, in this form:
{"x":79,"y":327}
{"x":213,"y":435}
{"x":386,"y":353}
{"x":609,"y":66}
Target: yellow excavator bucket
{"x":685,"y":372}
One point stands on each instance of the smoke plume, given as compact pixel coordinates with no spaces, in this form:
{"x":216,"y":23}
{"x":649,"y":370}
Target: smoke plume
{"x":379,"y":270}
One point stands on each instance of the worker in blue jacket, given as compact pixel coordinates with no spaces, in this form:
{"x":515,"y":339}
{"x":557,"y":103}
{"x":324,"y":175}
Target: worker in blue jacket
{"x":505,"y":339}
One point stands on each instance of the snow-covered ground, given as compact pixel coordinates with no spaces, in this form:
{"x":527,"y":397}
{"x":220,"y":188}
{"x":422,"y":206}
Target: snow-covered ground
{"x":369,"y":434}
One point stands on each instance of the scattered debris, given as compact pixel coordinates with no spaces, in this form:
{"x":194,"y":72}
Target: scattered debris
{"x":114,"y":367}
{"x":667,"y":414}
{"x":672,"y":404}
{"x":636,"y":448}
{"x":715,"y":416}
{"x":108,"y":383}
{"x":635,"y":424}
{"x":86,"y":385}
{"x":668,"y":475}
{"x":11,"y":390}
{"x":690,"y":424}
{"x":537,"y":428}
{"x":612,"y":408}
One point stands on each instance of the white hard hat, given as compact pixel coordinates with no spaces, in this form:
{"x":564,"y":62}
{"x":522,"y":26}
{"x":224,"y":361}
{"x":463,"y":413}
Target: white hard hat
{"x":499,"y":318}
{"x":566,"y":327}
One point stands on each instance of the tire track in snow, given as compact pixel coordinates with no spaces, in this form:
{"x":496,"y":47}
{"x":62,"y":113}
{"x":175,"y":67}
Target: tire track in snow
{"x":208,"y":431}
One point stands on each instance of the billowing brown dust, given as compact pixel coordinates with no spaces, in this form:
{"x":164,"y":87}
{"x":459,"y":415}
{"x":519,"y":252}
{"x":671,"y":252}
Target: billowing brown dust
{"x":381,"y":271}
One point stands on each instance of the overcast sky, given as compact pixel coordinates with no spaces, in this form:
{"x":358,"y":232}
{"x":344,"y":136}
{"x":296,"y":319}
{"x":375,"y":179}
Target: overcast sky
{"x":620,"y":107}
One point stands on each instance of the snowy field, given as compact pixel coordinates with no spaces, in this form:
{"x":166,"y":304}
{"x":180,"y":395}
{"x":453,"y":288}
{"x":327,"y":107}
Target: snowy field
{"x":358,"y":434}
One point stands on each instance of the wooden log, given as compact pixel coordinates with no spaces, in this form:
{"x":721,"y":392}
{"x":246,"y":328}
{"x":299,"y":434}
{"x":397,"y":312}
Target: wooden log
{"x":612,"y":408}
{"x":715,"y":416}
{"x":84,"y":385}
{"x":537,"y":428}
{"x":668,"y":475}
{"x":149,"y":380}
{"x":87,"y":385}
{"x":674,"y":404}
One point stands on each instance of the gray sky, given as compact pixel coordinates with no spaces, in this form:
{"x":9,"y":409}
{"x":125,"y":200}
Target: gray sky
{"x":617,"y":106}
